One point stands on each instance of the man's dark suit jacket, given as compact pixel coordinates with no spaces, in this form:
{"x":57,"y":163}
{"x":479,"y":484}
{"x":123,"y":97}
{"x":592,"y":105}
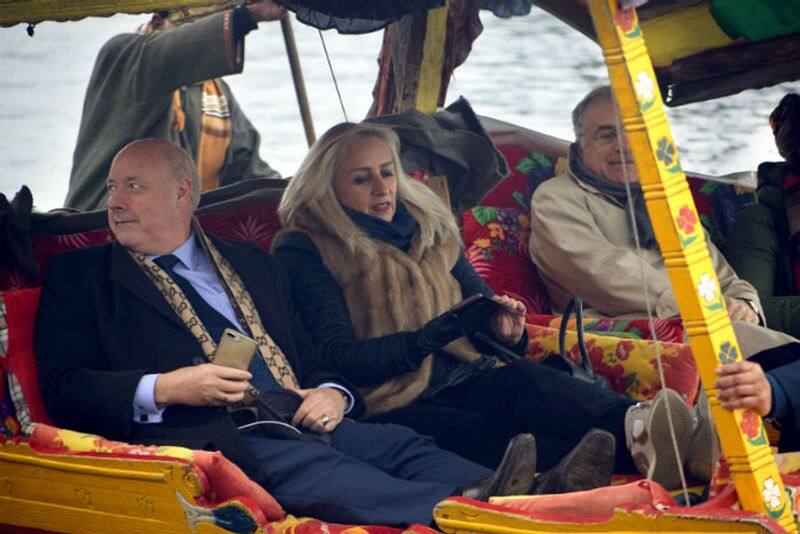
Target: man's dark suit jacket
{"x":102,"y":325}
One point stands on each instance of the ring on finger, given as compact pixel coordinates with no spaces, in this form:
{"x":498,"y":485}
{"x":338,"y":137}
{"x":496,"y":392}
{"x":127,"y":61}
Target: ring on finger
{"x":324,"y":419}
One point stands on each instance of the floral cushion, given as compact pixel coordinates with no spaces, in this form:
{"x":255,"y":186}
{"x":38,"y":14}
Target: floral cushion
{"x":527,"y":172}
{"x":496,"y":240}
{"x":20,"y":363}
{"x":670,"y":329}
{"x":629,"y":365}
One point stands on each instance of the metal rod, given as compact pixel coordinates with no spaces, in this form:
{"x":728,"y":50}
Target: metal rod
{"x":297,"y":77}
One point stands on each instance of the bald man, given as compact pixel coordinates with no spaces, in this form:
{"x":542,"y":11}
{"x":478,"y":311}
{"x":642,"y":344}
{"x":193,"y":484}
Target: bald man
{"x":125,"y":339}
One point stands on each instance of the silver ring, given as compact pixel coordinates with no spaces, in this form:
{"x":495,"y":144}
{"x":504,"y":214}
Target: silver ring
{"x":324,"y":419}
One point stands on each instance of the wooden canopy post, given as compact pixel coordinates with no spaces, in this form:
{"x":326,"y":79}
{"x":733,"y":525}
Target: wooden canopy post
{"x":419,"y":53}
{"x":297,"y":78}
{"x":683,"y":245}
{"x":430,"y":70}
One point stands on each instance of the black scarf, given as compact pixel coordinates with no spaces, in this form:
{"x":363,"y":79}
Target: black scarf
{"x":399,"y":232}
{"x":617,"y":194}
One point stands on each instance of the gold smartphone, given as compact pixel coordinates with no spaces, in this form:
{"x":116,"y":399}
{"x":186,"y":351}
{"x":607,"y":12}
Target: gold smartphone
{"x":234,"y":350}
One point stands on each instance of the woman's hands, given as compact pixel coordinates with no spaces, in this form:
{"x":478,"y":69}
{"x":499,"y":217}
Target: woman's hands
{"x":322,"y":409}
{"x":508,"y":323}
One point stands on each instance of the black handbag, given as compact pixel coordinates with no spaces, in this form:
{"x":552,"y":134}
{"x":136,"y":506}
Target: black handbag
{"x":585,"y":371}
{"x":270,"y":414}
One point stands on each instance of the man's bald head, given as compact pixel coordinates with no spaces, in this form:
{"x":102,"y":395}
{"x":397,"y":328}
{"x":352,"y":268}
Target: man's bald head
{"x":175,"y":160}
{"x":152,"y":194}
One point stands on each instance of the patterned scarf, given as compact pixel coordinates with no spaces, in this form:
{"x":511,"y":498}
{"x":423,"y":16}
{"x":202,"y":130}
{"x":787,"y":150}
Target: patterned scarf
{"x":619,"y":195}
{"x":246,"y":311}
{"x":215,"y":131}
{"x":215,"y":124}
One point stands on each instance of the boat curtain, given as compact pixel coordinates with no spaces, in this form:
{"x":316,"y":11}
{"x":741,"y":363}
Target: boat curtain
{"x":364,"y":16}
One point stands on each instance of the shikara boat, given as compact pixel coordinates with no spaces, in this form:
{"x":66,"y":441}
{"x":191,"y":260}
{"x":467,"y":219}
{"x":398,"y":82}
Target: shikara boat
{"x":61,"y":481}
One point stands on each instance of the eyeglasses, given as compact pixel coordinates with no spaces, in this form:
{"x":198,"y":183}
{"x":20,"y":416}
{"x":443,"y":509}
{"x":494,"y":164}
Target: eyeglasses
{"x":605,"y":135}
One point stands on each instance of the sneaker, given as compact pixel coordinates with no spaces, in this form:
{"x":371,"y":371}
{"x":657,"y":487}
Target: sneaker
{"x":649,"y":441}
{"x":704,"y":448}
{"x":513,"y":476}
{"x":588,"y":466}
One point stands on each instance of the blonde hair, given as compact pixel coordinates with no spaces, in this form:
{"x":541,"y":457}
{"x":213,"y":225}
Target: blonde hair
{"x":311,"y":189}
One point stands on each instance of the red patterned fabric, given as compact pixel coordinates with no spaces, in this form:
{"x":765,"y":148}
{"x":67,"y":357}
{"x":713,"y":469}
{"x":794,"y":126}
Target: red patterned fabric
{"x":641,"y":498}
{"x":256,"y":223}
{"x":21,"y":309}
{"x":670,"y":330}
{"x":496,"y":241}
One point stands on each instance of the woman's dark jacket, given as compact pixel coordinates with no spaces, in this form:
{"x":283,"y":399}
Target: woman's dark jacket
{"x":323,"y":311}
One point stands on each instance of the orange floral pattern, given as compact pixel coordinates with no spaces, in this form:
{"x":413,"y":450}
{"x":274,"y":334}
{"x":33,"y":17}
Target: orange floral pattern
{"x":750,"y":425}
{"x":628,"y":364}
{"x":686,"y":220}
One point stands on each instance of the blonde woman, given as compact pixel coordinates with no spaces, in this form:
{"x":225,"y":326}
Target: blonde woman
{"x":376,"y":262}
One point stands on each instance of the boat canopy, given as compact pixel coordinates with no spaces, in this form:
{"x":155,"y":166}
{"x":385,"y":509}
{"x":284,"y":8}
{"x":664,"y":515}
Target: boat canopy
{"x":705,"y":49}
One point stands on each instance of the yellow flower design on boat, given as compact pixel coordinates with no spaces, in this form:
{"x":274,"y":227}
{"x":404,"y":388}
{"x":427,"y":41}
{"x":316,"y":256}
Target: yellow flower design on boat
{"x":707,"y":288}
{"x":645,"y":90}
{"x":771,"y":492}
{"x":687,"y":223}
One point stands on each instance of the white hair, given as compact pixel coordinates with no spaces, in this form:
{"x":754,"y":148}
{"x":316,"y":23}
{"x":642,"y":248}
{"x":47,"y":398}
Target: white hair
{"x":603,"y":92}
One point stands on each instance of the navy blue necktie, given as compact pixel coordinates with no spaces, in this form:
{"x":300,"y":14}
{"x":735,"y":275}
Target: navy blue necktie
{"x":215,"y":322}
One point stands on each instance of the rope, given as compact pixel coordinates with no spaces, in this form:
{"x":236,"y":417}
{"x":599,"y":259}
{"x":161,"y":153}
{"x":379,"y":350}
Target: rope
{"x":330,"y":68}
{"x":650,"y":319}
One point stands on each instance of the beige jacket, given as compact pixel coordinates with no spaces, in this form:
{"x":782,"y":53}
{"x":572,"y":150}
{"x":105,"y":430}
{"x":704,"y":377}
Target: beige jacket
{"x":581,"y":244}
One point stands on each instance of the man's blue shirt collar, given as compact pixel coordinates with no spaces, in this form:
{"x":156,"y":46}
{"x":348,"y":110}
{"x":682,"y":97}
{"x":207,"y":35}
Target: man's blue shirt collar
{"x":188,"y":253}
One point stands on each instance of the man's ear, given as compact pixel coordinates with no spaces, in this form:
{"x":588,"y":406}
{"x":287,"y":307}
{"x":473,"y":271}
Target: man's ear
{"x":185,"y":190}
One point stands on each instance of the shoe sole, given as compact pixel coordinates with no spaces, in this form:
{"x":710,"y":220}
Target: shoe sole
{"x":664,"y":468}
{"x":521,"y":454}
{"x":593,"y":463}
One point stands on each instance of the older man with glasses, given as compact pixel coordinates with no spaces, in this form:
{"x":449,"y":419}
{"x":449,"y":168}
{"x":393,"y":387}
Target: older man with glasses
{"x":592,"y":238}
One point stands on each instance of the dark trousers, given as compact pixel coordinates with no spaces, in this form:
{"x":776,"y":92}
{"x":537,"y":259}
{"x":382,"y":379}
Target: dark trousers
{"x":476,"y":419}
{"x":370,"y":474}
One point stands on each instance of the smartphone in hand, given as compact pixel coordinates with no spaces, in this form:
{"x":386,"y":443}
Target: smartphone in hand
{"x":477,"y":307}
{"x":234,"y":350}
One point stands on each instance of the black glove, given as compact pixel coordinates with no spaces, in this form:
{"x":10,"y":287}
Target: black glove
{"x":439,"y":331}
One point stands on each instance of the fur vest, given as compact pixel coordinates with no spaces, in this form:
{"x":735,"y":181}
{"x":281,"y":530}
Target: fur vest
{"x":388,"y":291}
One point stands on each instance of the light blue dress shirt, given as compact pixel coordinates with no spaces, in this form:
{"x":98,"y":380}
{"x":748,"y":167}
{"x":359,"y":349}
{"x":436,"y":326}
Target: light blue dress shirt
{"x":197,"y":269}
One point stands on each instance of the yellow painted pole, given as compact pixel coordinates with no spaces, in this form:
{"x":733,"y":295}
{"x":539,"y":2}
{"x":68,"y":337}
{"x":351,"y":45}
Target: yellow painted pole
{"x":683,"y":245}
{"x":430,"y":71}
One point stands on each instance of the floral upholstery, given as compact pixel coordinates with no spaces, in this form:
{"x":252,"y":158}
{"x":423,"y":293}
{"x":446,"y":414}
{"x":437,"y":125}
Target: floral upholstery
{"x":497,"y":247}
{"x":496,"y":241}
{"x":629,"y":365}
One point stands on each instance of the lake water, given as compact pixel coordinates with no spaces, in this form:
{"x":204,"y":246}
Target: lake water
{"x":529,"y":71}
